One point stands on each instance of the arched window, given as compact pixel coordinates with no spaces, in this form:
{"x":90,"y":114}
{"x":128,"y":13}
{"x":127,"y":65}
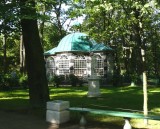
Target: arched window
{"x":100,"y":66}
{"x":80,"y":66}
{"x":63,"y":65}
{"x":50,"y":65}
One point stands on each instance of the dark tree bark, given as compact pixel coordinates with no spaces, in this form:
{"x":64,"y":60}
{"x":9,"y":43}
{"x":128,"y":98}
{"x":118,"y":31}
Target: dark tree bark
{"x":35,"y":64}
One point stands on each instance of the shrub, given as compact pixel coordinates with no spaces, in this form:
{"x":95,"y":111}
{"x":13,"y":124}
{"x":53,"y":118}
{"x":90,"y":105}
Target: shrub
{"x":55,"y":80}
{"x":13,"y":79}
{"x":6,"y":81}
{"x":73,"y":80}
{"x":23,"y":80}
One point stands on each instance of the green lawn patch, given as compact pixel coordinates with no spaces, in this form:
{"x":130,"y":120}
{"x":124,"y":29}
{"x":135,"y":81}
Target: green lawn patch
{"x":114,"y":98}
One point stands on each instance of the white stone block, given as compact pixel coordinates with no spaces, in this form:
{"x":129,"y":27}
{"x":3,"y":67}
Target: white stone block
{"x":57,"y":105}
{"x":57,"y":117}
{"x":93,"y":87}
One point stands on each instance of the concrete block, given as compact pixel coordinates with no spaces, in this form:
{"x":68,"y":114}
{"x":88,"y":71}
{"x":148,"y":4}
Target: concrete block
{"x":57,"y":117}
{"x":93,"y":87}
{"x":57,"y":105}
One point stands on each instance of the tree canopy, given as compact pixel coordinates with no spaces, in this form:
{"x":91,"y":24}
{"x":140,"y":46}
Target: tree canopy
{"x":130,"y":27}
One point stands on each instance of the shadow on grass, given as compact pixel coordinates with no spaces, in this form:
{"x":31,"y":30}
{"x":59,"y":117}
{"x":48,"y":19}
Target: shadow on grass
{"x":111,"y":98}
{"x":14,"y":104}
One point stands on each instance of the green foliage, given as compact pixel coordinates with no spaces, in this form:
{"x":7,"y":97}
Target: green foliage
{"x":8,"y":81}
{"x":56,"y":80}
{"x":113,"y":22}
{"x":127,"y":26}
{"x":12,"y":47}
{"x":23,"y":81}
{"x":13,"y":80}
{"x":73,"y":79}
{"x":4,"y":79}
{"x":9,"y":20}
{"x":51,"y":36}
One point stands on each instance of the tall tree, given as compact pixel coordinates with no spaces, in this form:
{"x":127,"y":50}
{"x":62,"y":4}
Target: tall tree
{"x":53,"y":13}
{"x":8,"y":25}
{"x":127,"y":25}
{"x":38,"y":87}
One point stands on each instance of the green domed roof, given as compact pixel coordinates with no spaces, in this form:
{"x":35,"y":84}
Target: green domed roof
{"x":74,"y":42}
{"x":77,"y":42}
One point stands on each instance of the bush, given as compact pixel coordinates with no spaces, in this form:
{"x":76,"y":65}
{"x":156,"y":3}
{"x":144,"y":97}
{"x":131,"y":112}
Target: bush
{"x":4,"y":83}
{"x":55,"y":80}
{"x":13,"y":79}
{"x":74,"y":80}
{"x":7,"y":82}
{"x":23,"y":81}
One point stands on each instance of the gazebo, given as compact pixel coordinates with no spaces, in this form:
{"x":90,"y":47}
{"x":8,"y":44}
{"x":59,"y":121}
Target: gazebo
{"x":73,"y":56}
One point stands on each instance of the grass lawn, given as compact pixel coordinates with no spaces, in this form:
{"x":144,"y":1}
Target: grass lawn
{"x":111,"y":98}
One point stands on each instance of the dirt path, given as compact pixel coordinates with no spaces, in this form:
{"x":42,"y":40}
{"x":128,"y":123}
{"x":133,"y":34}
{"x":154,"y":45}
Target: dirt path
{"x":13,"y":120}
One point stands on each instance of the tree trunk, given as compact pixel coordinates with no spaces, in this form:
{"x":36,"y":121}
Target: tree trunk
{"x":145,"y":95}
{"x":35,"y":64}
{"x":22,"y":55}
{"x":41,"y":27}
{"x":141,"y":53}
{"x":4,"y":54}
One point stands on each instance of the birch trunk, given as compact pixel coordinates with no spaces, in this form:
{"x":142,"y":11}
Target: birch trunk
{"x":145,"y":95}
